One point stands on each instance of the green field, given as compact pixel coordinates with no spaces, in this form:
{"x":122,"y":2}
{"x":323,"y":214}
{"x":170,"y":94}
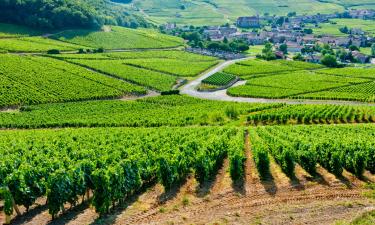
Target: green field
{"x":148,"y":112}
{"x":119,"y":38}
{"x":35,"y":44}
{"x":203,"y":12}
{"x":159,"y":70}
{"x":290,"y":79}
{"x":25,"y":80}
{"x":333,"y":29}
{"x":219,"y":79}
{"x":313,"y":114}
{"x":11,"y":31}
{"x":81,"y":142}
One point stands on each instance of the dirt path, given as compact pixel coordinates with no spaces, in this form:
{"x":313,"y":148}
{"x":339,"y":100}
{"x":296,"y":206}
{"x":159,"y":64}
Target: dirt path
{"x":221,"y":95}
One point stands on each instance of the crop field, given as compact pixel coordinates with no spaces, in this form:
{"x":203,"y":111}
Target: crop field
{"x":110,"y":174}
{"x":300,"y":80}
{"x":217,"y":12}
{"x":11,"y":31}
{"x":140,"y":76}
{"x":119,"y":38}
{"x":175,"y":67}
{"x":35,"y":44}
{"x":26,"y":81}
{"x":154,"y":69}
{"x":335,"y":148}
{"x":313,"y":114}
{"x":333,"y":28}
{"x":219,"y":79}
{"x":148,"y":112}
{"x":145,"y":54}
{"x":351,"y":72}
{"x":105,"y":138}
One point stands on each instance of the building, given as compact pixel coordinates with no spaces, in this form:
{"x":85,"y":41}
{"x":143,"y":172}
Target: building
{"x":313,"y":58}
{"x":248,"y":22}
{"x":362,"y":58}
{"x":362,"y":13}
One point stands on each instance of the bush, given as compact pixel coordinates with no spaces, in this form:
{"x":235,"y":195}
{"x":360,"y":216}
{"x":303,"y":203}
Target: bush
{"x":53,"y":51}
{"x":171,"y":92}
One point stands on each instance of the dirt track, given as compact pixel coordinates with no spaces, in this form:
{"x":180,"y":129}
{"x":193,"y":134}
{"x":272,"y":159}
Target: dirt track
{"x":221,"y":95}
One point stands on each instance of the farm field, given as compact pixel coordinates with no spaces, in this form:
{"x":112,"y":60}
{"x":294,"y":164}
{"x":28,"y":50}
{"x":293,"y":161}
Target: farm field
{"x":333,"y":29}
{"x":119,"y":38}
{"x":313,"y":114}
{"x":157,"y":70}
{"x":10,"y":30}
{"x":35,"y":44}
{"x":219,"y":79}
{"x":106,"y":138}
{"x":297,"y":80}
{"x":148,"y":112}
{"x":26,"y":81}
{"x":217,"y":12}
{"x":276,"y":161}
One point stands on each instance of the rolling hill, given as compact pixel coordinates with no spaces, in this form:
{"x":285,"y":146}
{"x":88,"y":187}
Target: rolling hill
{"x":210,"y":12}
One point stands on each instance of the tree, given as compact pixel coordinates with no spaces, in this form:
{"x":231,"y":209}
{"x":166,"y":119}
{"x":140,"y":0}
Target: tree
{"x":284,"y":48}
{"x":329,"y":60}
{"x":344,"y":30}
{"x":308,"y":31}
{"x":298,"y":57}
{"x":373,"y":49}
{"x":353,"y":48}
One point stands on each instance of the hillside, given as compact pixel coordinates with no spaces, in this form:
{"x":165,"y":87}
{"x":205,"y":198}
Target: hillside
{"x":58,"y":14}
{"x":205,"y":12}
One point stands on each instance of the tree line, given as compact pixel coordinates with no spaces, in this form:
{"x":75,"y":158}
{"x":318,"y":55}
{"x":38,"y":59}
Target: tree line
{"x":58,"y":14}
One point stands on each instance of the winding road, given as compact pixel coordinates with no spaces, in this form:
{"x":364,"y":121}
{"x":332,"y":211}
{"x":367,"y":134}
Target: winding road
{"x":221,"y":95}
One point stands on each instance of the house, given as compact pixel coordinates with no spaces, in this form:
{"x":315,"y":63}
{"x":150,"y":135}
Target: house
{"x":294,"y":47}
{"x":313,"y":58}
{"x":279,"y":55}
{"x":362,"y":13}
{"x":226,"y":31}
{"x":362,"y":58}
{"x":248,"y":22}
{"x":343,"y":41}
{"x":214,"y":35}
{"x":255,"y":40}
{"x":169,"y":26}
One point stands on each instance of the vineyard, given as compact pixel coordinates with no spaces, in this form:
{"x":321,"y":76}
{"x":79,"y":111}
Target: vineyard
{"x":313,"y":114}
{"x":106,"y":138}
{"x":156,"y":70}
{"x":110,"y":163}
{"x":26,"y":81}
{"x":148,"y":112}
{"x":334,"y":147}
{"x":219,"y":79}
{"x":35,"y":44}
{"x":11,"y":31}
{"x":119,"y":38}
{"x":300,"y":80}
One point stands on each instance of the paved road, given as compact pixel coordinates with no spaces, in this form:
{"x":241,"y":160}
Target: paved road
{"x":191,"y":90}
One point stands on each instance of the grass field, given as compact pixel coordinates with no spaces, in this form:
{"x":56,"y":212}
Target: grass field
{"x":119,"y":38}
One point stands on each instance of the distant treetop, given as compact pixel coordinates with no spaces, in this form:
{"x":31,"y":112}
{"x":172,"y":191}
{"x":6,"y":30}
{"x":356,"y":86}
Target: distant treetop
{"x":58,"y":14}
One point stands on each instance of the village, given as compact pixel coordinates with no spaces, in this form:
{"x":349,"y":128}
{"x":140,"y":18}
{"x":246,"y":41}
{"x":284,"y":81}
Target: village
{"x":294,"y":33}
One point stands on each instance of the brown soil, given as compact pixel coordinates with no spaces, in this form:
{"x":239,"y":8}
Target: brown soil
{"x":322,"y":199}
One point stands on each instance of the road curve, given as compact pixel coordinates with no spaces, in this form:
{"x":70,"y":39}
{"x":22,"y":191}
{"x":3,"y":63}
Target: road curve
{"x":221,"y":95}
